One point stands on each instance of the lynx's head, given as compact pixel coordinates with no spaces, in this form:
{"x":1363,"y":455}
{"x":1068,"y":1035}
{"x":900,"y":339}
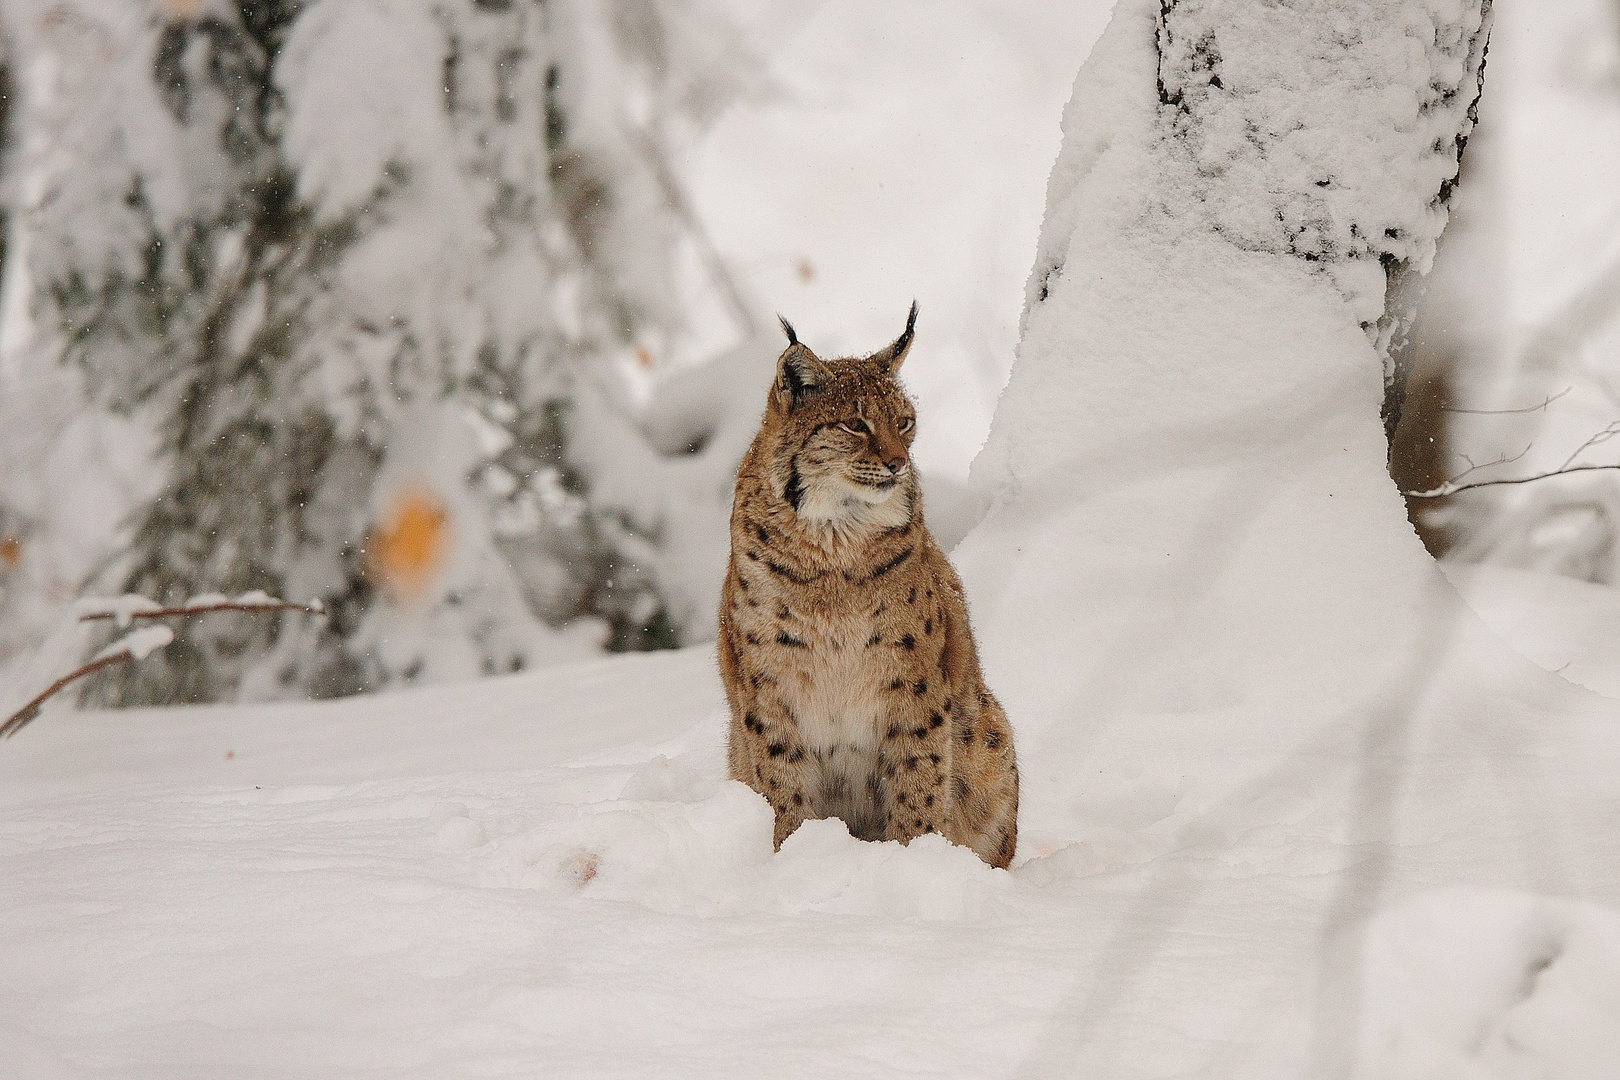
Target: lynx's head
{"x":843,"y":429}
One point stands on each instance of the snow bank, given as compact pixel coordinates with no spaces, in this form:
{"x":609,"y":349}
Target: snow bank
{"x":1188,"y":460}
{"x":545,"y":874}
{"x":548,"y":874}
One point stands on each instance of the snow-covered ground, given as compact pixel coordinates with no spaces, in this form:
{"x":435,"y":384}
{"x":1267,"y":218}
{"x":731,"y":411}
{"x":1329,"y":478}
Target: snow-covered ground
{"x":1565,"y":625}
{"x":546,"y":874}
{"x":540,"y":875}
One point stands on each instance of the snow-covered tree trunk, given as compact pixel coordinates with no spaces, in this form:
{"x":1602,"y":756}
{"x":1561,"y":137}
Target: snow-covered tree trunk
{"x":1238,"y":186}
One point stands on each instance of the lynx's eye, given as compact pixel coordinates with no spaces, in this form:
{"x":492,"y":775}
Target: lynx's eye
{"x":855,"y":427}
{"x":904,"y":424}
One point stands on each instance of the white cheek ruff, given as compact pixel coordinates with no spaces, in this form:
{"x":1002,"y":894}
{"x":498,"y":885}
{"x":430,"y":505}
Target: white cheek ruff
{"x":844,"y":507}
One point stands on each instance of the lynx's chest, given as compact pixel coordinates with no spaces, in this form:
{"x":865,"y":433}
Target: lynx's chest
{"x":833,"y":683}
{"x":835,"y":657}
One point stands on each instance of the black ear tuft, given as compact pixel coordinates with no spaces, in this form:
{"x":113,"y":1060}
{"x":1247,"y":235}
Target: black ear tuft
{"x":787,"y":328}
{"x":893,"y":354}
{"x":903,"y":342}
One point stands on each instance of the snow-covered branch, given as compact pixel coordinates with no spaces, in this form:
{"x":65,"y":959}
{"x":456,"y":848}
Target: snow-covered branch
{"x":123,"y":609}
{"x":143,"y":641}
{"x":135,"y":645}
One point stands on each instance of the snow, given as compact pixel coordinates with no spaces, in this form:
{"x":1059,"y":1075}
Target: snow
{"x":1398,"y":77}
{"x":1289,"y":807}
{"x":548,"y":872}
{"x":587,"y":893}
{"x":1567,"y":626}
{"x":138,"y":644}
{"x":121,"y":609}
{"x":1494,"y":983}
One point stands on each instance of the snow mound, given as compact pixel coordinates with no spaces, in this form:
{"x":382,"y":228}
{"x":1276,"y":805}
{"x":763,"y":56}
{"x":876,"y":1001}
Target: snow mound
{"x":682,"y":842}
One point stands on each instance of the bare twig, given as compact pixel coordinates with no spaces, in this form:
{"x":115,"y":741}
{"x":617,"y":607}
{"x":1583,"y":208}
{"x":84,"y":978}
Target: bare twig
{"x":19,"y":719}
{"x":1601,"y":437}
{"x":125,"y":651}
{"x":1451,"y":487}
{"x":1506,"y":412}
{"x":313,"y":608}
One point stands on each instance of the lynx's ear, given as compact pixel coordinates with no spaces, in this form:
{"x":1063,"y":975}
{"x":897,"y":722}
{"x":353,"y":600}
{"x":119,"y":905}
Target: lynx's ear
{"x":799,"y":372}
{"x":895,"y":353}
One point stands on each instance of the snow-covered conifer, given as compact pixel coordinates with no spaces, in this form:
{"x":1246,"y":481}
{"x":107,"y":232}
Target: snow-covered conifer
{"x":369,"y":269}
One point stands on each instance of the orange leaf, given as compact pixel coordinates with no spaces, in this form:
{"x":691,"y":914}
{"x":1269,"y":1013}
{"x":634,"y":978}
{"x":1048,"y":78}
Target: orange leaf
{"x":408,"y":550}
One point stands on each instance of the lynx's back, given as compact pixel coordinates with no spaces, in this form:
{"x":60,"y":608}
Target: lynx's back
{"x":848,"y":662}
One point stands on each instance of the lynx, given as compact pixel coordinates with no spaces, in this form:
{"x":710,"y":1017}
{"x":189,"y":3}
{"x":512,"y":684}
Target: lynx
{"x":848,"y":662}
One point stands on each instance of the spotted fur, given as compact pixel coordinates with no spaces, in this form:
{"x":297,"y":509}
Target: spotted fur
{"x":845,"y":650}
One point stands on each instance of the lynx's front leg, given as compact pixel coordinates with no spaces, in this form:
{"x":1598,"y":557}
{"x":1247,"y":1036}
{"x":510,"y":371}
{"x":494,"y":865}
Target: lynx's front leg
{"x":781,"y":770}
{"x":765,"y":748}
{"x":914,"y":760}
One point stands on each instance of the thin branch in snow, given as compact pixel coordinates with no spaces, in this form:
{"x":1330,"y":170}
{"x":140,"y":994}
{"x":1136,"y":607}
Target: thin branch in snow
{"x":1603,"y":436}
{"x":138,"y":644}
{"x":1454,"y":485}
{"x":314,"y":607}
{"x":131,"y":647}
{"x":1507,"y":412}
{"x":1451,"y":487}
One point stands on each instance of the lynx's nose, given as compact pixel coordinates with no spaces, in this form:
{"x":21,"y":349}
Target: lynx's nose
{"x":898,"y":465}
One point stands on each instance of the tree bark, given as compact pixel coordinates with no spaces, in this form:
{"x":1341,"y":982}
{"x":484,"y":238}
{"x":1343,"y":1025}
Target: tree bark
{"x":1330,"y":210}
